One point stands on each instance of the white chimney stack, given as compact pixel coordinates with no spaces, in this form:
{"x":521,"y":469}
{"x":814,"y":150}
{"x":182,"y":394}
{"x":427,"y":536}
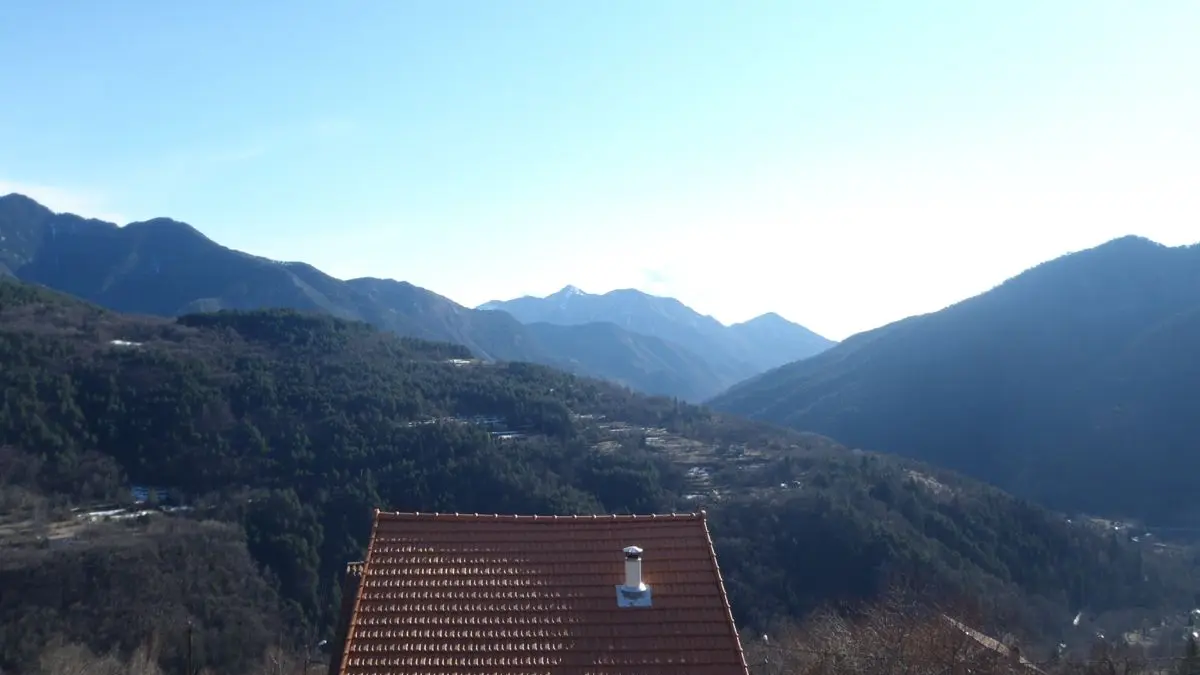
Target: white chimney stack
{"x":633,"y":568}
{"x":634,"y":592}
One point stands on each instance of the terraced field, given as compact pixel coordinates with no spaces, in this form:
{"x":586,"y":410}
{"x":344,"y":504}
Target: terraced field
{"x":709,"y":468}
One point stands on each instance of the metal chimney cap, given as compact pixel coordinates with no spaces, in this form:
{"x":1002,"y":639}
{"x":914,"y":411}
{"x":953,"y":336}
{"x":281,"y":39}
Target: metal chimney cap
{"x":633,"y":552}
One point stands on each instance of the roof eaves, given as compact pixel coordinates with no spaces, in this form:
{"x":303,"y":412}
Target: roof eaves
{"x":712,"y":552}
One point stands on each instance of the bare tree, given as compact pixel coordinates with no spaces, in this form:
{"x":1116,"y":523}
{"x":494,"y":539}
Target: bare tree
{"x":62,"y":658}
{"x":900,"y":635}
{"x":1108,"y":658}
{"x":75,"y":659}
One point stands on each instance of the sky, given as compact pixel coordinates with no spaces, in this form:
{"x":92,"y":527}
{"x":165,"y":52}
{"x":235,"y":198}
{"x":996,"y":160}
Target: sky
{"x":843,"y":163}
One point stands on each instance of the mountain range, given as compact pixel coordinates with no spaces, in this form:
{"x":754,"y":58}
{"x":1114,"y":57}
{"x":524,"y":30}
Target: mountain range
{"x":167,"y":268}
{"x":1073,"y":384}
{"x":734,"y":352}
{"x":277,"y":432}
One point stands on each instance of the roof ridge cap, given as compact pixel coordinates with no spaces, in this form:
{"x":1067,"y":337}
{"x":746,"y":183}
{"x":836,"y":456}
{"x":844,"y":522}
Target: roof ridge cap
{"x":497,"y":517}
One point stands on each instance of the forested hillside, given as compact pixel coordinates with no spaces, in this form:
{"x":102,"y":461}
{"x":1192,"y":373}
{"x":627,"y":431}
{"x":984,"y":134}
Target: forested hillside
{"x":280,"y":432}
{"x":1073,"y":384}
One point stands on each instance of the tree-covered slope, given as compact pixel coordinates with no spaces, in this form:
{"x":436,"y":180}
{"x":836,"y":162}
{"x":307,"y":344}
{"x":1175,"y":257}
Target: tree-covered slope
{"x":293,"y":427}
{"x":116,"y":587}
{"x":1073,"y":384}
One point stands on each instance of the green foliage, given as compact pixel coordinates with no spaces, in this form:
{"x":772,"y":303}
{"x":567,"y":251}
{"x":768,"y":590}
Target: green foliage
{"x":293,"y":427}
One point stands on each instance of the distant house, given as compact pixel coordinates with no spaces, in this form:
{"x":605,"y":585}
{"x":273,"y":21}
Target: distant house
{"x":142,"y":494}
{"x":453,"y":594}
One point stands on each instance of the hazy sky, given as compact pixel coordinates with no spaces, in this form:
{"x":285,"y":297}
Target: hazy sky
{"x":842,"y":163}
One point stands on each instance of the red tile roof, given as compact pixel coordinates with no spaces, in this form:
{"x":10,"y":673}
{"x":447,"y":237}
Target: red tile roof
{"x":452,"y":594}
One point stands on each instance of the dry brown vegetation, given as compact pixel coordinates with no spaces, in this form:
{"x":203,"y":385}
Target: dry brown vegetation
{"x":903,"y":636}
{"x":75,"y":659}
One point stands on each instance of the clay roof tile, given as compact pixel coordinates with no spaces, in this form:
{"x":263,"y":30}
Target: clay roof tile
{"x":451,"y":594}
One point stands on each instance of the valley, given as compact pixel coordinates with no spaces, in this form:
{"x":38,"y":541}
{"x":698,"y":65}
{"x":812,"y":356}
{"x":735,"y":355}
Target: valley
{"x":280,"y":430}
{"x":642,"y":338}
{"x":278,"y":418}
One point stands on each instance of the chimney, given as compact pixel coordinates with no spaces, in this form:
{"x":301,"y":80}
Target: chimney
{"x":634,"y":592}
{"x":633,"y":568}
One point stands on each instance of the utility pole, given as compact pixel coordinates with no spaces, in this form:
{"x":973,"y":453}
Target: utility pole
{"x":1190,"y":665}
{"x":189,"y":648}
{"x":308,"y":655}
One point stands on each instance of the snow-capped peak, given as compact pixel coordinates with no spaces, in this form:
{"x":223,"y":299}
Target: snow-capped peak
{"x":568,"y":291}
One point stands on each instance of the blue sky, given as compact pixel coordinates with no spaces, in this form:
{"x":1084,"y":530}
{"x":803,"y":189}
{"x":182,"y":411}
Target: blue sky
{"x":842,"y":163}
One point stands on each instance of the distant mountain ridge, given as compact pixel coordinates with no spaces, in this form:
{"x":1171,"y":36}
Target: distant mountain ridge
{"x":167,"y":268}
{"x":1074,"y":384}
{"x":735,"y":352}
